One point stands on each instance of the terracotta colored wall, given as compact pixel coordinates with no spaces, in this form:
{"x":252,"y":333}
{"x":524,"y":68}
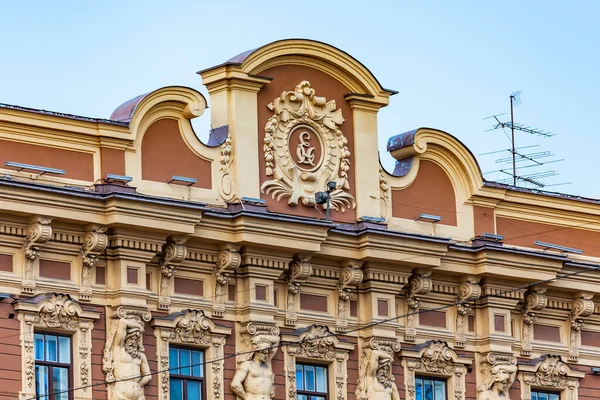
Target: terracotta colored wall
{"x":230,"y":360}
{"x":483,"y":220}
{"x":98,"y":342}
{"x":164,"y":154}
{"x":112,"y":162}
{"x":10,"y":353}
{"x":55,"y":269}
{"x":589,"y":387}
{"x":430,"y":193}
{"x":77,"y":165}
{"x":524,"y":233}
{"x":6,"y":262}
{"x":285,"y":78}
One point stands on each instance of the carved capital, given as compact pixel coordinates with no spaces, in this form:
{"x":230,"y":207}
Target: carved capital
{"x":350,"y":276}
{"x":229,"y":260}
{"x":583,"y":306}
{"x":300,"y":269}
{"x":418,"y":284}
{"x":469,"y":290}
{"x":39,"y":232}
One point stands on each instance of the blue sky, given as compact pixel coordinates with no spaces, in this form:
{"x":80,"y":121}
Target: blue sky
{"x":453,"y":62}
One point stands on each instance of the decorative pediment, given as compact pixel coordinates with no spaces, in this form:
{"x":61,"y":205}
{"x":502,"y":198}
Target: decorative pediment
{"x":190,"y":327}
{"x":304,"y":149}
{"x":549,"y":371}
{"x":55,"y":310}
{"x":434,"y":358}
{"x":316,"y":341}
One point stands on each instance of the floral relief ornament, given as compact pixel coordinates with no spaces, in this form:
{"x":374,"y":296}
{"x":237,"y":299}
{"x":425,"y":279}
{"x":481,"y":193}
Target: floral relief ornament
{"x":299,"y":169}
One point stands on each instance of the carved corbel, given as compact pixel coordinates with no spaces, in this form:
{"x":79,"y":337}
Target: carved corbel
{"x":39,"y":232}
{"x":95,"y":243}
{"x":583,"y":307}
{"x":468,"y":291}
{"x":173,"y":253}
{"x":350,"y":277}
{"x":419,"y":284}
{"x":535,"y":301}
{"x":229,"y":260}
{"x":299,"y":271}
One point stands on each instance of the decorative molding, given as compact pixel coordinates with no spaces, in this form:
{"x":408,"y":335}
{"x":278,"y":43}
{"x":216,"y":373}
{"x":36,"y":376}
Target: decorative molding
{"x":227,"y":188}
{"x":94,"y":244}
{"x":59,"y":313}
{"x":438,"y":359}
{"x":385,"y":196}
{"x":419,"y":284}
{"x":190,"y":328}
{"x":583,"y":306}
{"x":299,"y":178}
{"x":468,"y":291}
{"x":229,"y":259}
{"x":173,"y":254}
{"x":550,"y":373}
{"x":350,"y":276}
{"x":535,"y":301}
{"x":316,"y":343}
{"x":39,"y":232}
{"x":298,"y":273}
{"x":498,"y":371}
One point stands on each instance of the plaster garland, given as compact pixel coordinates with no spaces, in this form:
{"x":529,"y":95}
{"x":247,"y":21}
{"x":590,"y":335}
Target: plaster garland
{"x":468,"y":291}
{"x":419,"y":284}
{"x":350,"y":276}
{"x":299,"y":271}
{"x":173,"y":254}
{"x":583,"y":307}
{"x":228,"y":260}
{"x":95,"y":242}
{"x":39,"y":232}
{"x":535,"y":301}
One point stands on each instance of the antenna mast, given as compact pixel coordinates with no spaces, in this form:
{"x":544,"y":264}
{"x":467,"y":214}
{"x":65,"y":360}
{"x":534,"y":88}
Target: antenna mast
{"x":517,"y":156}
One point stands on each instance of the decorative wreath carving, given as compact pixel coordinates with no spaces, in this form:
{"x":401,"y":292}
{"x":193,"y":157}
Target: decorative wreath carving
{"x":304,"y":149}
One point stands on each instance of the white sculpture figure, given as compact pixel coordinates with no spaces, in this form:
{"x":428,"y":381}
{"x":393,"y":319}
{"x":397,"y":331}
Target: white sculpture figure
{"x":254,"y":378}
{"x":498,"y":383}
{"x":125,"y":364}
{"x":376,"y":381}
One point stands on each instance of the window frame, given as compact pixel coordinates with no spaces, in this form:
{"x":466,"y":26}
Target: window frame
{"x":310,"y":393}
{"x":51,"y":364}
{"x":548,"y":392}
{"x":565,"y":384}
{"x":435,"y":359}
{"x":185,"y":378}
{"x":57,"y":314}
{"x":433,"y":378}
{"x":170,"y":331}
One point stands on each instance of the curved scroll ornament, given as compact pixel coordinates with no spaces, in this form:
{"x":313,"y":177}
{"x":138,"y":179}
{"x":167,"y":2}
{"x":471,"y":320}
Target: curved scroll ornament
{"x":300,"y":270}
{"x":39,"y":232}
{"x":419,"y":284}
{"x":468,"y":292}
{"x":228,"y":260}
{"x":304,"y":149}
{"x":94,"y":244}
{"x":535,"y":301}
{"x":350,"y":276}
{"x":583,"y":307}
{"x":550,"y":373}
{"x":173,"y":254}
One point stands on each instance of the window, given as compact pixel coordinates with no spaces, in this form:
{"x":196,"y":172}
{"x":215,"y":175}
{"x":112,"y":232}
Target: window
{"x":541,"y":395}
{"x":311,"y":382}
{"x":186,"y":373}
{"x":52,"y":366}
{"x":428,"y":388}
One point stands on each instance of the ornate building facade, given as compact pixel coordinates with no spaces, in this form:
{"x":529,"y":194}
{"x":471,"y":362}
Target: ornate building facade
{"x":280,"y":260}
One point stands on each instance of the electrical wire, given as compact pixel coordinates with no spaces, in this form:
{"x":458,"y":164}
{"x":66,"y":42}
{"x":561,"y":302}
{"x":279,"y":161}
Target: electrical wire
{"x":331,"y":334}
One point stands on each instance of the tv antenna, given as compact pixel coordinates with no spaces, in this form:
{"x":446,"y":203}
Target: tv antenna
{"x":519,"y":158}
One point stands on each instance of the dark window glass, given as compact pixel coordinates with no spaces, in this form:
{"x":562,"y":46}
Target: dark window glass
{"x":542,"y":395}
{"x":428,"y":388}
{"x":52,"y":366}
{"x":311,"y":382}
{"x":186,"y":374}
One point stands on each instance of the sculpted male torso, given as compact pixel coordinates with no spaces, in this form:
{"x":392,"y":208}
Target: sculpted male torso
{"x":254,"y":379}
{"x":379,"y":381}
{"x":131,"y":368}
